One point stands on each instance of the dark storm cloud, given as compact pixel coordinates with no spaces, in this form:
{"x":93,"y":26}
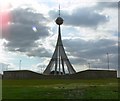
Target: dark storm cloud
{"x":27,"y":16}
{"x":21,"y":36}
{"x":86,"y":17}
{"x":39,"y":52}
{"x":91,"y":50}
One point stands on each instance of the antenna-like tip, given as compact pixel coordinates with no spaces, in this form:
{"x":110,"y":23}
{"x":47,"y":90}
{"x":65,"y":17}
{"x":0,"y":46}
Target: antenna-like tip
{"x":59,"y":9}
{"x":59,"y":20}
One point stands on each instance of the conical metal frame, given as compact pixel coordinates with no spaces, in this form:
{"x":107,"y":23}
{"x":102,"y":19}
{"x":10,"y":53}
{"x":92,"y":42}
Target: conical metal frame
{"x":59,"y":60}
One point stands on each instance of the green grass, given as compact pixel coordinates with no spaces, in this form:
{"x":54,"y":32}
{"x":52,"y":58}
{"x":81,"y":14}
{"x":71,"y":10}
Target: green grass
{"x":60,"y":89}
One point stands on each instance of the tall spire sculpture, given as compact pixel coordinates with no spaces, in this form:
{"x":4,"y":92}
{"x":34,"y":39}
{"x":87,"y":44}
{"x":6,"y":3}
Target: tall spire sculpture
{"x":59,"y":59}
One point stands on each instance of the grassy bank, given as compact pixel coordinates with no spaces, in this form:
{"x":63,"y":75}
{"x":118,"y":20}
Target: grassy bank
{"x":60,"y":89}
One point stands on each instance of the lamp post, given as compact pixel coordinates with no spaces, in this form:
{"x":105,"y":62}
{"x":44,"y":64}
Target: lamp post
{"x":89,"y":65}
{"x":108,"y":61}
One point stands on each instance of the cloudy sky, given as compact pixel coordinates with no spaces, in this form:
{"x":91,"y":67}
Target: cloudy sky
{"x":28,"y":32}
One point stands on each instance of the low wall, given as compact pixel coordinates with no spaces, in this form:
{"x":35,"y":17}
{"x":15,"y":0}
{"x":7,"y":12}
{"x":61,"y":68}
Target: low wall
{"x":20,"y":74}
{"x":88,"y":74}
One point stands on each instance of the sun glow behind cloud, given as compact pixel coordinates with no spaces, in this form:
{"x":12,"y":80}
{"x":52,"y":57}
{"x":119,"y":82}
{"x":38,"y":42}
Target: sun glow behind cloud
{"x":5,"y":15}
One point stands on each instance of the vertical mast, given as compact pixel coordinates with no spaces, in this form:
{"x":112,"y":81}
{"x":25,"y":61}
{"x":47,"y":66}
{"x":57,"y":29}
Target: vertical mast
{"x":59,"y":58}
{"x":59,"y":36}
{"x":108,"y":60}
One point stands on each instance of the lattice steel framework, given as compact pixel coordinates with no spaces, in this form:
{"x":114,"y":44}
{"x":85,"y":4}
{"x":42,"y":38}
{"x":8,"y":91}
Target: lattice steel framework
{"x":59,"y":59}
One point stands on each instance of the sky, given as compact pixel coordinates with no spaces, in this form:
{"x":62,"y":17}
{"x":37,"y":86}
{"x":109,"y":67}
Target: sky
{"x":28,"y":33}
